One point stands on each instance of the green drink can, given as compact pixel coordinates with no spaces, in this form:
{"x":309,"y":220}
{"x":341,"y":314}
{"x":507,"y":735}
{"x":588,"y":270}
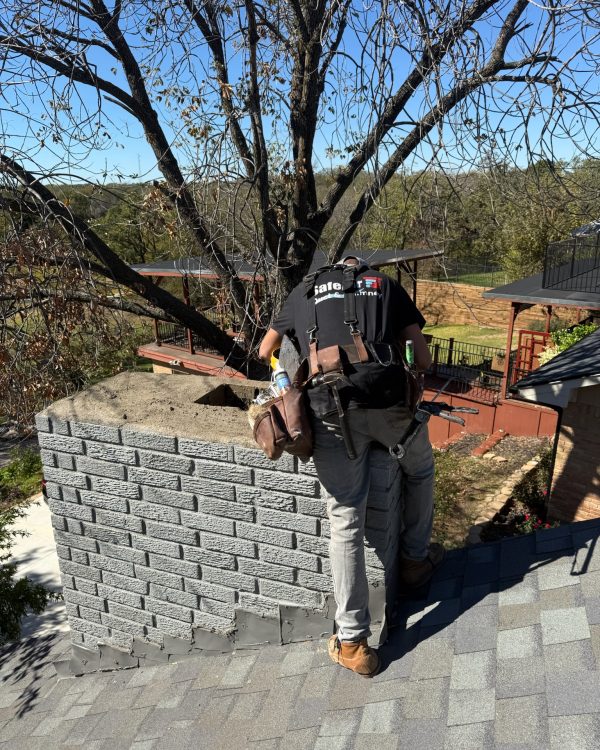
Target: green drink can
{"x":410,"y":352}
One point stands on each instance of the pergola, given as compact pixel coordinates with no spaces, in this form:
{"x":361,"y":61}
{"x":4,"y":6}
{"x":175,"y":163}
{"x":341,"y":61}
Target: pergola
{"x":193,"y":354}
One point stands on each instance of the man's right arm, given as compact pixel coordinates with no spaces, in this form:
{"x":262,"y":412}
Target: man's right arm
{"x":270,"y":342}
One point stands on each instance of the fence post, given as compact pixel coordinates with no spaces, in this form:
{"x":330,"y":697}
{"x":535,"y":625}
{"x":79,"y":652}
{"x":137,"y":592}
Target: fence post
{"x":450,"y":351}
{"x":156,"y":333}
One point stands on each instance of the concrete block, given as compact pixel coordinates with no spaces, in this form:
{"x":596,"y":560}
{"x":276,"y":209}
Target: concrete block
{"x":265,"y":534}
{"x":209,"y":557}
{"x":260,"y":605}
{"x":54,"y":490}
{"x":210,"y":590}
{"x":102,"y":433}
{"x":214,"y":623}
{"x":64,"y":553}
{"x":126,"y":626}
{"x":65,"y":478}
{"x":59,"y":523}
{"x":100,"y":632}
{"x":149,"y":440}
{"x":316,"y":581}
{"x":70,"y":510}
{"x":171,"y":565}
{"x":159,"y":546}
{"x":265,"y":570}
{"x":291,"y":558}
{"x":114,"y":487}
{"x":294,"y":594}
{"x":176,"y":628}
{"x":88,"y":587}
{"x":230,"y":545}
{"x":220,"y":609}
{"x":112,"y":594}
{"x":71,"y":494}
{"x":74,"y":540}
{"x":101,"y":562}
{"x":174,"y":596}
{"x":208,"y":487}
{"x":163,"y":462}
{"x":69,"y":445}
{"x":100,"y":468}
{"x":159,"y":576}
{"x":130,"y":613}
{"x":203,"y":522}
{"x":168,"y":497}
{"x":200,"y":449}
{"x":106,"y":502}
{"x":155,"y":512}
{"x":292,"y":484}
{"x":86,"y":600}
{"x":60,"y":426}
{"x":119,"y":520}
{"x":229,"y":578}
{"x":256,"y":458}
{"x":307,"y":467}
{"x":64,"y":461}
{"x":310,"y":507}
{"x":263,"y":498}
{"x":105,"y":452}
{"x":104,"y":533}
{"x":133,"y":585}
{"x":75,"y":569}
{"x":123,"y":553}
{"x":42,"y":423}
{"x":237,"y":511}
{"x":79,"y":556}
{"x":233,"y":473}
{"x":172,"y":532}
{"x":141,"y":475}
{"x":291,"y":521}
{"x":313,"y":545}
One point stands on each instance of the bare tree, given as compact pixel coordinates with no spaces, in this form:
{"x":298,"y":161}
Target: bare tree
{"x":245,"y":105}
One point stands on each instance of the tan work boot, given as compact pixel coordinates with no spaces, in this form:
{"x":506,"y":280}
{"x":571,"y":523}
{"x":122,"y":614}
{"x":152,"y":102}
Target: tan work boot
{"x":355,"y":655}
{"x":416,"y":573}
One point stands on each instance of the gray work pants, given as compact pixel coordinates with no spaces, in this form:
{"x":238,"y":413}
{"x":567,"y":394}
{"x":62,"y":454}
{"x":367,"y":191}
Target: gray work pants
{"x":346,"y":485}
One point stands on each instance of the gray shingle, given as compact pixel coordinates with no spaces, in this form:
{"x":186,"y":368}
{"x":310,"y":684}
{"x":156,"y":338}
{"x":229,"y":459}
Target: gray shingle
{"x":575,"y":656}
{"x":471,"y":706}
{"x":516,"y":677}
{"x":344,"y":721}
{"x":563,"y":625}
{"x":519,"y":592}
{"x":592,"y":608}
{"x":519,"y":642}
{"x":557,"y":574}
{"x":574,"y":693}
{"x":432,"y":658}
{"x":380,"y":718}
{"x":477,"y":630}
{"x":522,"y":721}
{"x":422,"y":735}
{"x":473,"y":671}
{"x":427,"y":699}
{"x":518,"y":615}
{"x":580,"y":732}
{"x":469,"y":736}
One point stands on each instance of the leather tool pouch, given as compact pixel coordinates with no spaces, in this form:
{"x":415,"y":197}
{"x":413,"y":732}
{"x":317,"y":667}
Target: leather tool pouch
{"x":330,"y":359}
{"x":284,"y":425}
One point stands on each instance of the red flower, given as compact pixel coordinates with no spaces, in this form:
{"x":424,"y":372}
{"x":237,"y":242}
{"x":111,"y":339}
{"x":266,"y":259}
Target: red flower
{"x":527,"y":516}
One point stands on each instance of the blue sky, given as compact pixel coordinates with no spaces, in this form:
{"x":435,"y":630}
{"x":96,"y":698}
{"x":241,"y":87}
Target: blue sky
{"x":121,"y":151}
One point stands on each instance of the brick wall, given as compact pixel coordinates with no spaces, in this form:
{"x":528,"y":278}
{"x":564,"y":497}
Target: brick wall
{"x":575,"y":492}
{"x":159,"y":535}
{"x":462,"y":304}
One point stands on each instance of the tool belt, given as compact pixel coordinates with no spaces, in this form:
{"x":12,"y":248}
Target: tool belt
{"x":283,"y":423}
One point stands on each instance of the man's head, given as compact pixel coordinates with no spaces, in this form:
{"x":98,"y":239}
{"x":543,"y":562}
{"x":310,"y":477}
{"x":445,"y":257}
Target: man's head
{"x":354,"y":260}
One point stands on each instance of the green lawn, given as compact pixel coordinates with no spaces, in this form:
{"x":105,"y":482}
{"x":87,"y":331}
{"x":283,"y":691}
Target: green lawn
{"x":470,"y":334}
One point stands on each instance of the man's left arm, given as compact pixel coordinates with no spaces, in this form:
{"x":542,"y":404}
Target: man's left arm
{"x":413,"y":333}
{"x":269,"y":344}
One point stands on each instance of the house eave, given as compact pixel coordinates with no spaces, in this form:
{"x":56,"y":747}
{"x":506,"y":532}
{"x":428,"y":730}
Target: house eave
{"x":557,"y":394}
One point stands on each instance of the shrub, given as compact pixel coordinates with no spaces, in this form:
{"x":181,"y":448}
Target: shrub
{"x":565,"y":338}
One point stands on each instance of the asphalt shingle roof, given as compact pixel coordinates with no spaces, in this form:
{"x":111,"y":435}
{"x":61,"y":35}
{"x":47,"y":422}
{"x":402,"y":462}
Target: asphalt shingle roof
{"x":504,"y":652}
{"x":578,"y":361}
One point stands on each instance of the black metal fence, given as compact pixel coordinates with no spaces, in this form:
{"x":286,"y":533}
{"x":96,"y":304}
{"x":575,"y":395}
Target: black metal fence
{"x":475,"y":371}
{"x":178,"y":336}
{"x":463,"y":272}
{"x":573,"y":264}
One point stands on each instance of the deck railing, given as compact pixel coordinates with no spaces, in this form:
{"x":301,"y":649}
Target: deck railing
{"x":180,"y":337}
{"x":573,"y":264}
{"x":473,"y":370}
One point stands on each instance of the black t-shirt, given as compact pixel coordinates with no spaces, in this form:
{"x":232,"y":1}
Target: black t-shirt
{"x":383,"y":310}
